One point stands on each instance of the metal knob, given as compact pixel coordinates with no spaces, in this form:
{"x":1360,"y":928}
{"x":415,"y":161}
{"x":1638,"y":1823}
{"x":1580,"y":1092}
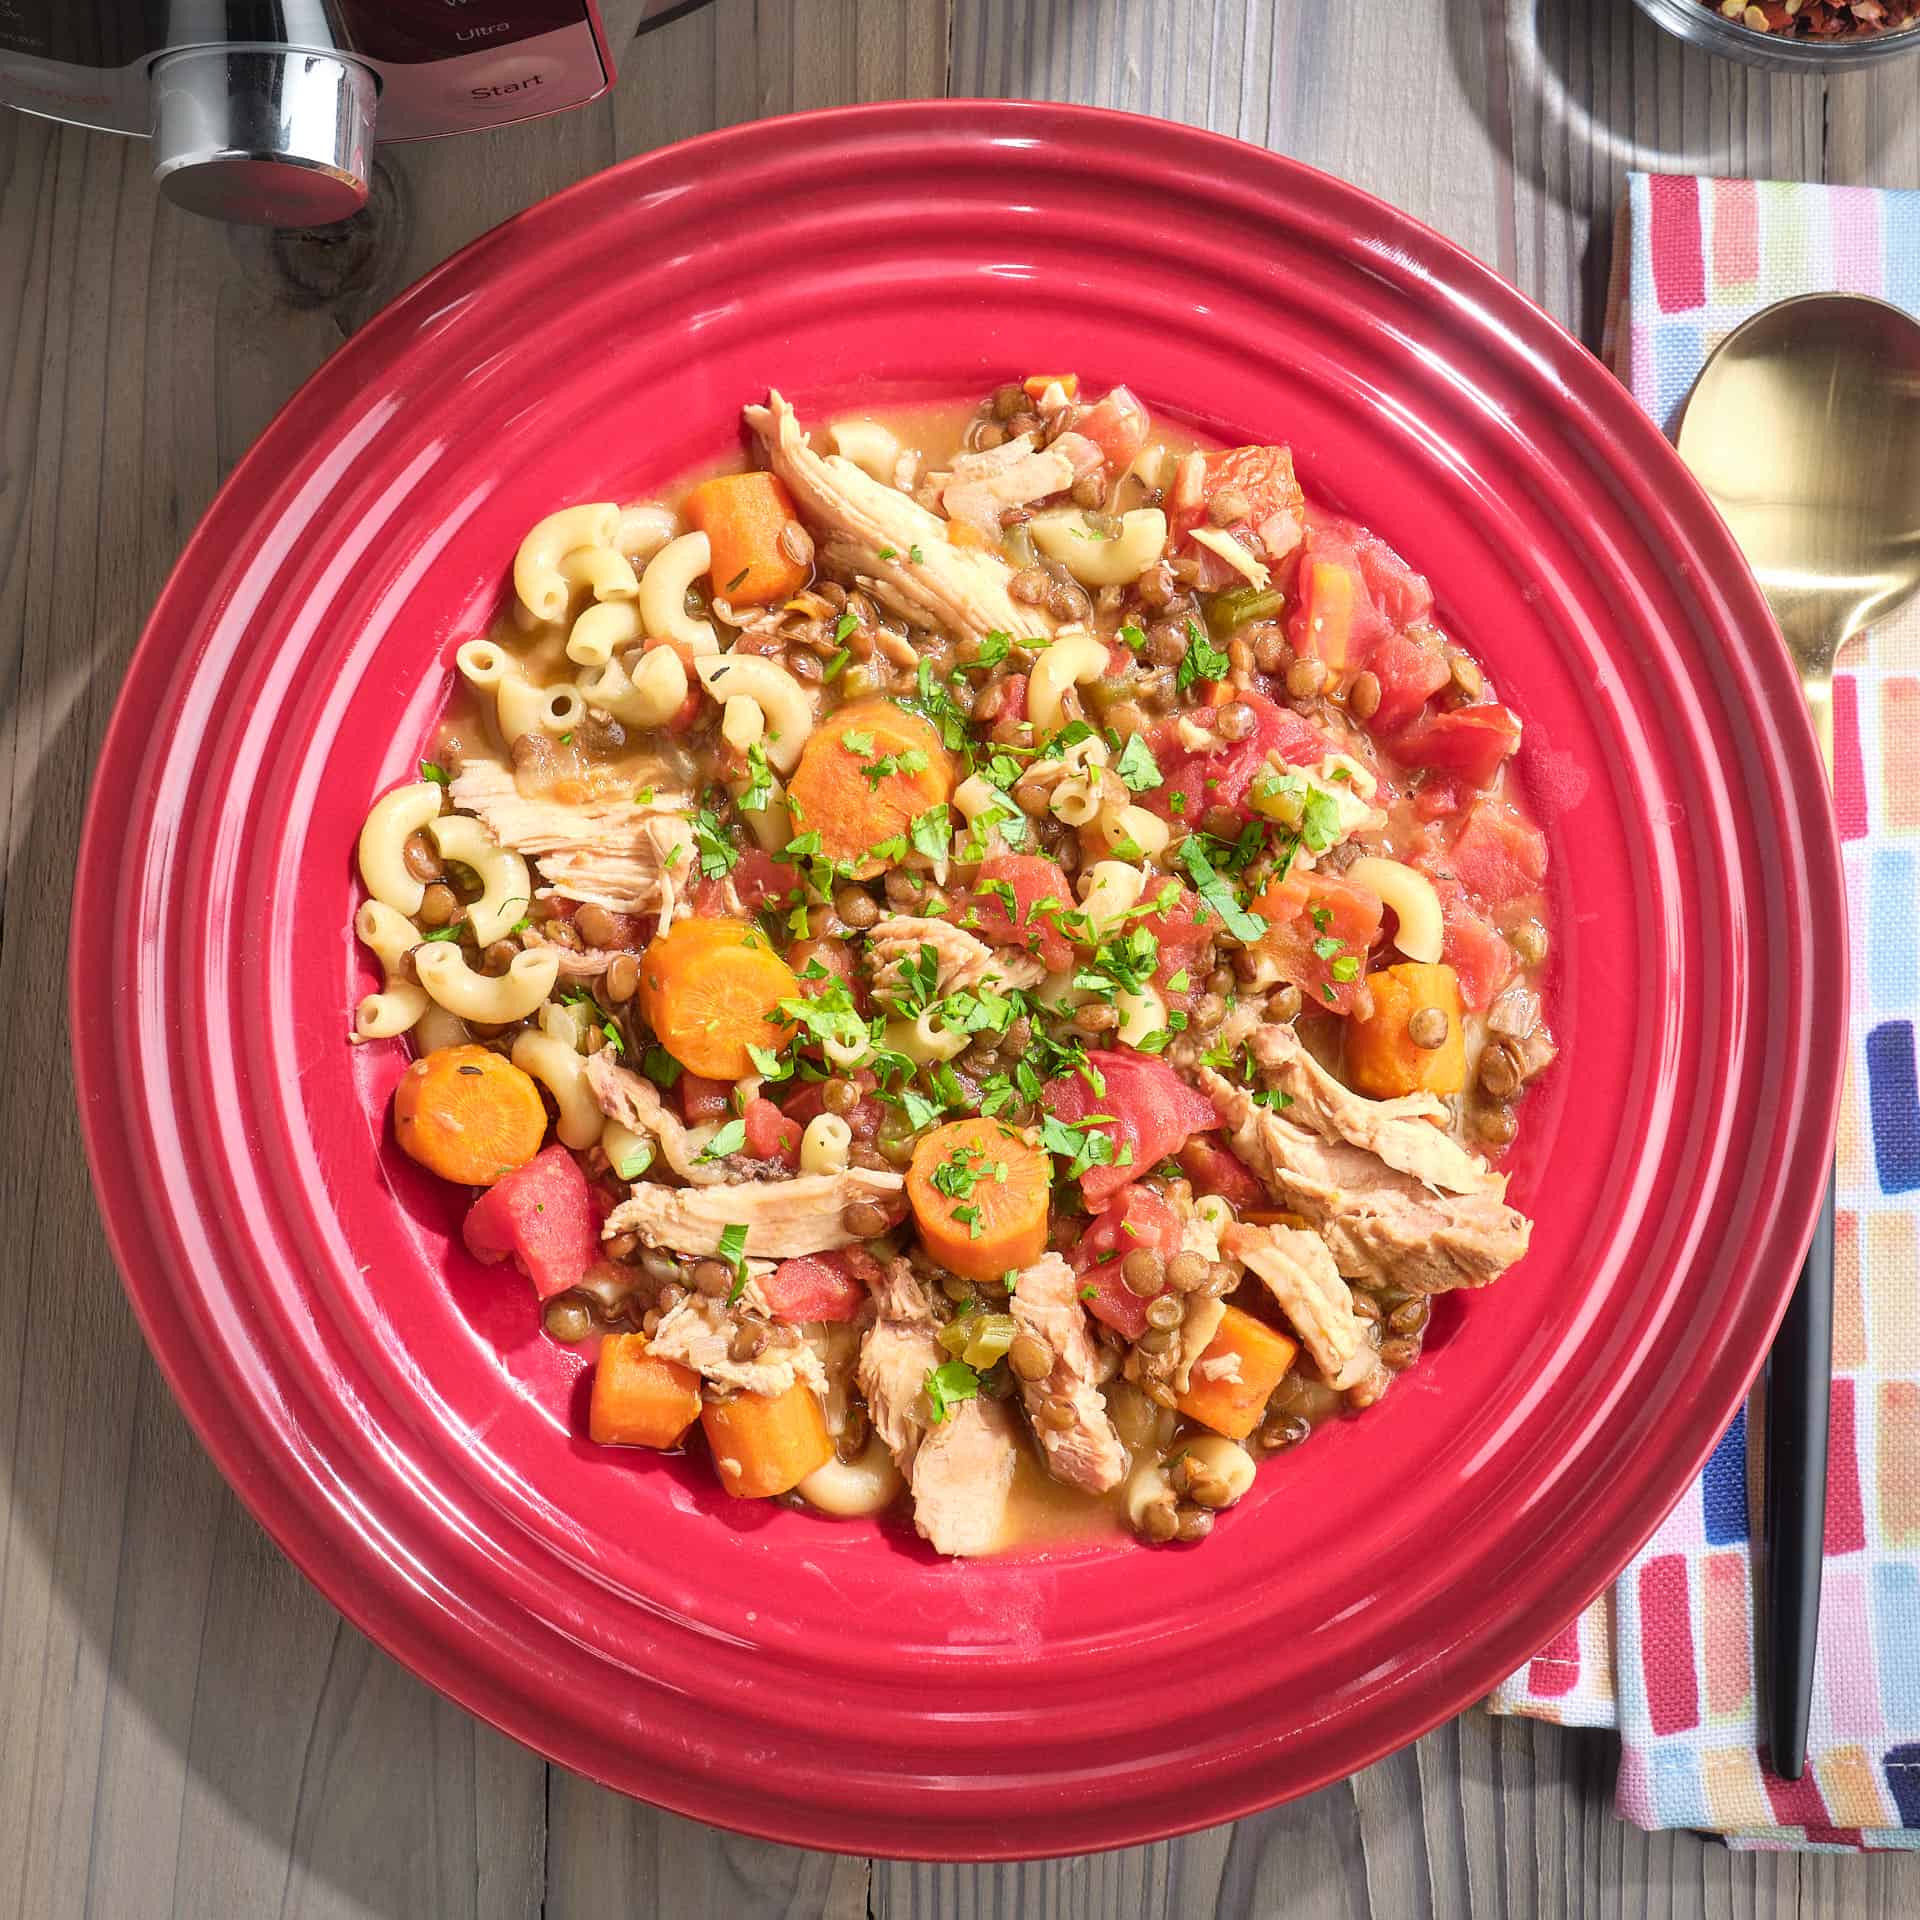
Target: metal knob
{"x":272,"y":135}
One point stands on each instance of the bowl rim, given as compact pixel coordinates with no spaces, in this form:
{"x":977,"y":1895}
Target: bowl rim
{"x":237,"y":1451}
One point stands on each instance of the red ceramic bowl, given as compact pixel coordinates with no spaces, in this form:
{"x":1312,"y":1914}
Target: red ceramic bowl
{"x":389,"y":1409}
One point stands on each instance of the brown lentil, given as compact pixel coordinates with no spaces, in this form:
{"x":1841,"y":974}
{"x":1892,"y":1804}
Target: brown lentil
{"x":856,"y":907}
{"x":621,"y":1246}
{"x":1030,"y":586}
{"x":1283,"y":1430}
{"x":1186,"y":1272}
{"x":438,"y":905}
{"x":567,"y":1317}
{"x":1156,"y":1340}
{"x":1057,"y":1414}
{"x":714,"y":1278}
{"x":1096,"y":1017}
{"x":1497,"y":1126}
{"x":1090,"y":490}
{"x":1160,"y":1521}
{"x":1411,"y":1316}
{"x":1144,"y":1272}
{"x":1499,"y":1072}
{"x":1165,"y":1313}
{"x":851,"y":1440}
{"x":1283,"y":1003}
{"x":1363,"y":697}
{"x":1528,"y":940}
{"x":839,"y":1096}
{"x":1428,"y":1027}
{"x":596,"y":925}
{"x":623,"y":979}
{"x":421,"y":858}
{"x":747,"y":1342}
{"x":1193,"y":1523}
{"x":1236,"y":720}
{"x":864,"y":1220}
{"x":1305,"y":678}
{"x":499,"y":957}
{"x":1270,"y":650}
{"x":1468,"y":681}
{"x":1030,"y":1358}
{"x":1400,"y":1352}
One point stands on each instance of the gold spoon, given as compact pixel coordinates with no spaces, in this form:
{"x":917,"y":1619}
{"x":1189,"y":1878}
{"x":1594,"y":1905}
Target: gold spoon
{"x":1804,"y":427}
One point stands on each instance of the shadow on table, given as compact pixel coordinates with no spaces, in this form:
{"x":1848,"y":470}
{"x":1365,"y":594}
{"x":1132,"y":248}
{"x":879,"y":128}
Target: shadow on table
{"x":1579,"y":95}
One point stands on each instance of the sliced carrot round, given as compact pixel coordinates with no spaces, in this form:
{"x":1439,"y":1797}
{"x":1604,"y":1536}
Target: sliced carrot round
{"x":468,"y":1115}
{"x":979,"y":1195}
{"x":864,"y":777}
{"x":712,"y":988}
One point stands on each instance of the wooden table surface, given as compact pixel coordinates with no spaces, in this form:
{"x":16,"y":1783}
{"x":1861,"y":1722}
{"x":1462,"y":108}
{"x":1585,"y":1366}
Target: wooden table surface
{"x":185,"y":1726}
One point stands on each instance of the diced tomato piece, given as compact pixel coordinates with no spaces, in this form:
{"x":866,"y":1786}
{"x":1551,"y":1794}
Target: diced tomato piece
{"x":1194,"y":779}
{"x":1498,"y":855}
{"x":1440,"y":797}
{"x":1410,"y":669}
{"x":1319,"y":928}
{"x":1212,"y":1169}
{"x":757,"y":880}
{"x":1264,"y":478}
{"x":1470,"y":944}
{"x":1402,"y":595}
{"x":813,"y":1288}
{"x":1470,"y":741}
{"x":771,"y":1135}
{"x":1013,"y":698}
{"x":1152,"y":1114}
{"x":1180,"y":936}
{"x":809,"y":1101}
{"x":1040,"y":894}
{"x":542,"y":1217}
{"x":1137,"y":1218}
{"x":1117,"y":426}
{"x":703,"y":1101}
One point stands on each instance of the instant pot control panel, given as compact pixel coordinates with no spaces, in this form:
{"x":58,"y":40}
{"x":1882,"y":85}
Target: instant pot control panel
{"x":439,"y":66}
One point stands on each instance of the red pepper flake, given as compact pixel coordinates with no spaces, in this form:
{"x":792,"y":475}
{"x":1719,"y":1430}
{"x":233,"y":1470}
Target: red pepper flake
{"x":1820,"y":19}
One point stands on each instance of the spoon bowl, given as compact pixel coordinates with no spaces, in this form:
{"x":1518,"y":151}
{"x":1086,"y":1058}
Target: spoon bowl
{"x":1804,"y":427}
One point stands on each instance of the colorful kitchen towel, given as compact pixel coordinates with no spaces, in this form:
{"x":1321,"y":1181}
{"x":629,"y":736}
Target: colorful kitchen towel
{"x":1668,"y":1656}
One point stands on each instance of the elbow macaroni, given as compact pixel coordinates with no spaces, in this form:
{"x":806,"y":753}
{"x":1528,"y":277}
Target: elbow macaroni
{"x":495,"y":1001}
{"x":922,"y":1041}
{"x":400,"y":1003}
{"x":628,"y":1153}
{"x":825,"y":1144}
{"x":1096,"y":560}
{"x":643,"y":531}
{"x":663,"y":593}
{"x":506,"y":889}
{"x":1142,"y":1014}
{"x":649,"y":697}
{"x":1418,"y":930}
{"x":1130,"y":826}
{"x":1113,"y":891}
{"x":537,"y":577}
{"x":608,"y":575}
{"x":786,"y":716}
{"x":383,"y":844}
{"x":601,"y":631}
{"x":563,"y":1073}
{"x":1073,"y":660}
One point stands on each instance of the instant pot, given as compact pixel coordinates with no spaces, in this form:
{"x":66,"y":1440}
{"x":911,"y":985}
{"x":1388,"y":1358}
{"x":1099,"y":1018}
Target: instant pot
{"x":268,"y":110}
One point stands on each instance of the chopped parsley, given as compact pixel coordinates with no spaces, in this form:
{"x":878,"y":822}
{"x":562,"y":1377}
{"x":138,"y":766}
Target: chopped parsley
{"x":886,"y":553}
{"x":718,"y":854}
{"x":860,"y":743}
{"x":846,"y":624}
{"x":932,"y":831}
{"x":1137,"y":768}
{"x":437,"y":774}
{"x":1202,"y":659}
{"x":637,"y":1162}
{"x":835,"y":663}
{"x":1133,"y":635}
{"x":758,"y":792}
{"x":947,"y":1385}
{"x":730,"y":1138}
{"x":442,"y":933}
{"x":1218,"y":893}
{"x":660,"y":1067}
{"x":994,"y":648}
{"x":733,"y":1250}
{"x":915,"y":555}
{"x":1319,"y":820}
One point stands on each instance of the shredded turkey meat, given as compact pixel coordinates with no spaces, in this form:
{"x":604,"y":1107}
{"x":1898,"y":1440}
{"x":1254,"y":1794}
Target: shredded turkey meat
{"x":699,"y":1331}
{"x":635,"y":1102}
{"x":1379,"y":1222}
{"x":960,"y":1469}
{"x":1405,"y":1133}
{"x":962,"y":960}
{"x":1086,"y":1452}
{"x":783,"y":1218}
{"x":959,"y":590}
{"x":1014,"y":474}
{"x":608,"y":852}
{"x":1296,"y":1268}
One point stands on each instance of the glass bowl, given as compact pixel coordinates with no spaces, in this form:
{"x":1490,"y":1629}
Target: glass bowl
{"x":1707,"y":27}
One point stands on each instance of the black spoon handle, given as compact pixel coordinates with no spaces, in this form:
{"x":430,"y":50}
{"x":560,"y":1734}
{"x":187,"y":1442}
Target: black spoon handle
{"x":1799,"y":1386}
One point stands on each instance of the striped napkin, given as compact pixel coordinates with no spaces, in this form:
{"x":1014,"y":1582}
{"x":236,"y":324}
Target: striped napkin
{"x":1668,"y":1654}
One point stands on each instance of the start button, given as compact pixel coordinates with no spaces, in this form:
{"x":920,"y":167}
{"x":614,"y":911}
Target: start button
{"x":513,"y":84}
